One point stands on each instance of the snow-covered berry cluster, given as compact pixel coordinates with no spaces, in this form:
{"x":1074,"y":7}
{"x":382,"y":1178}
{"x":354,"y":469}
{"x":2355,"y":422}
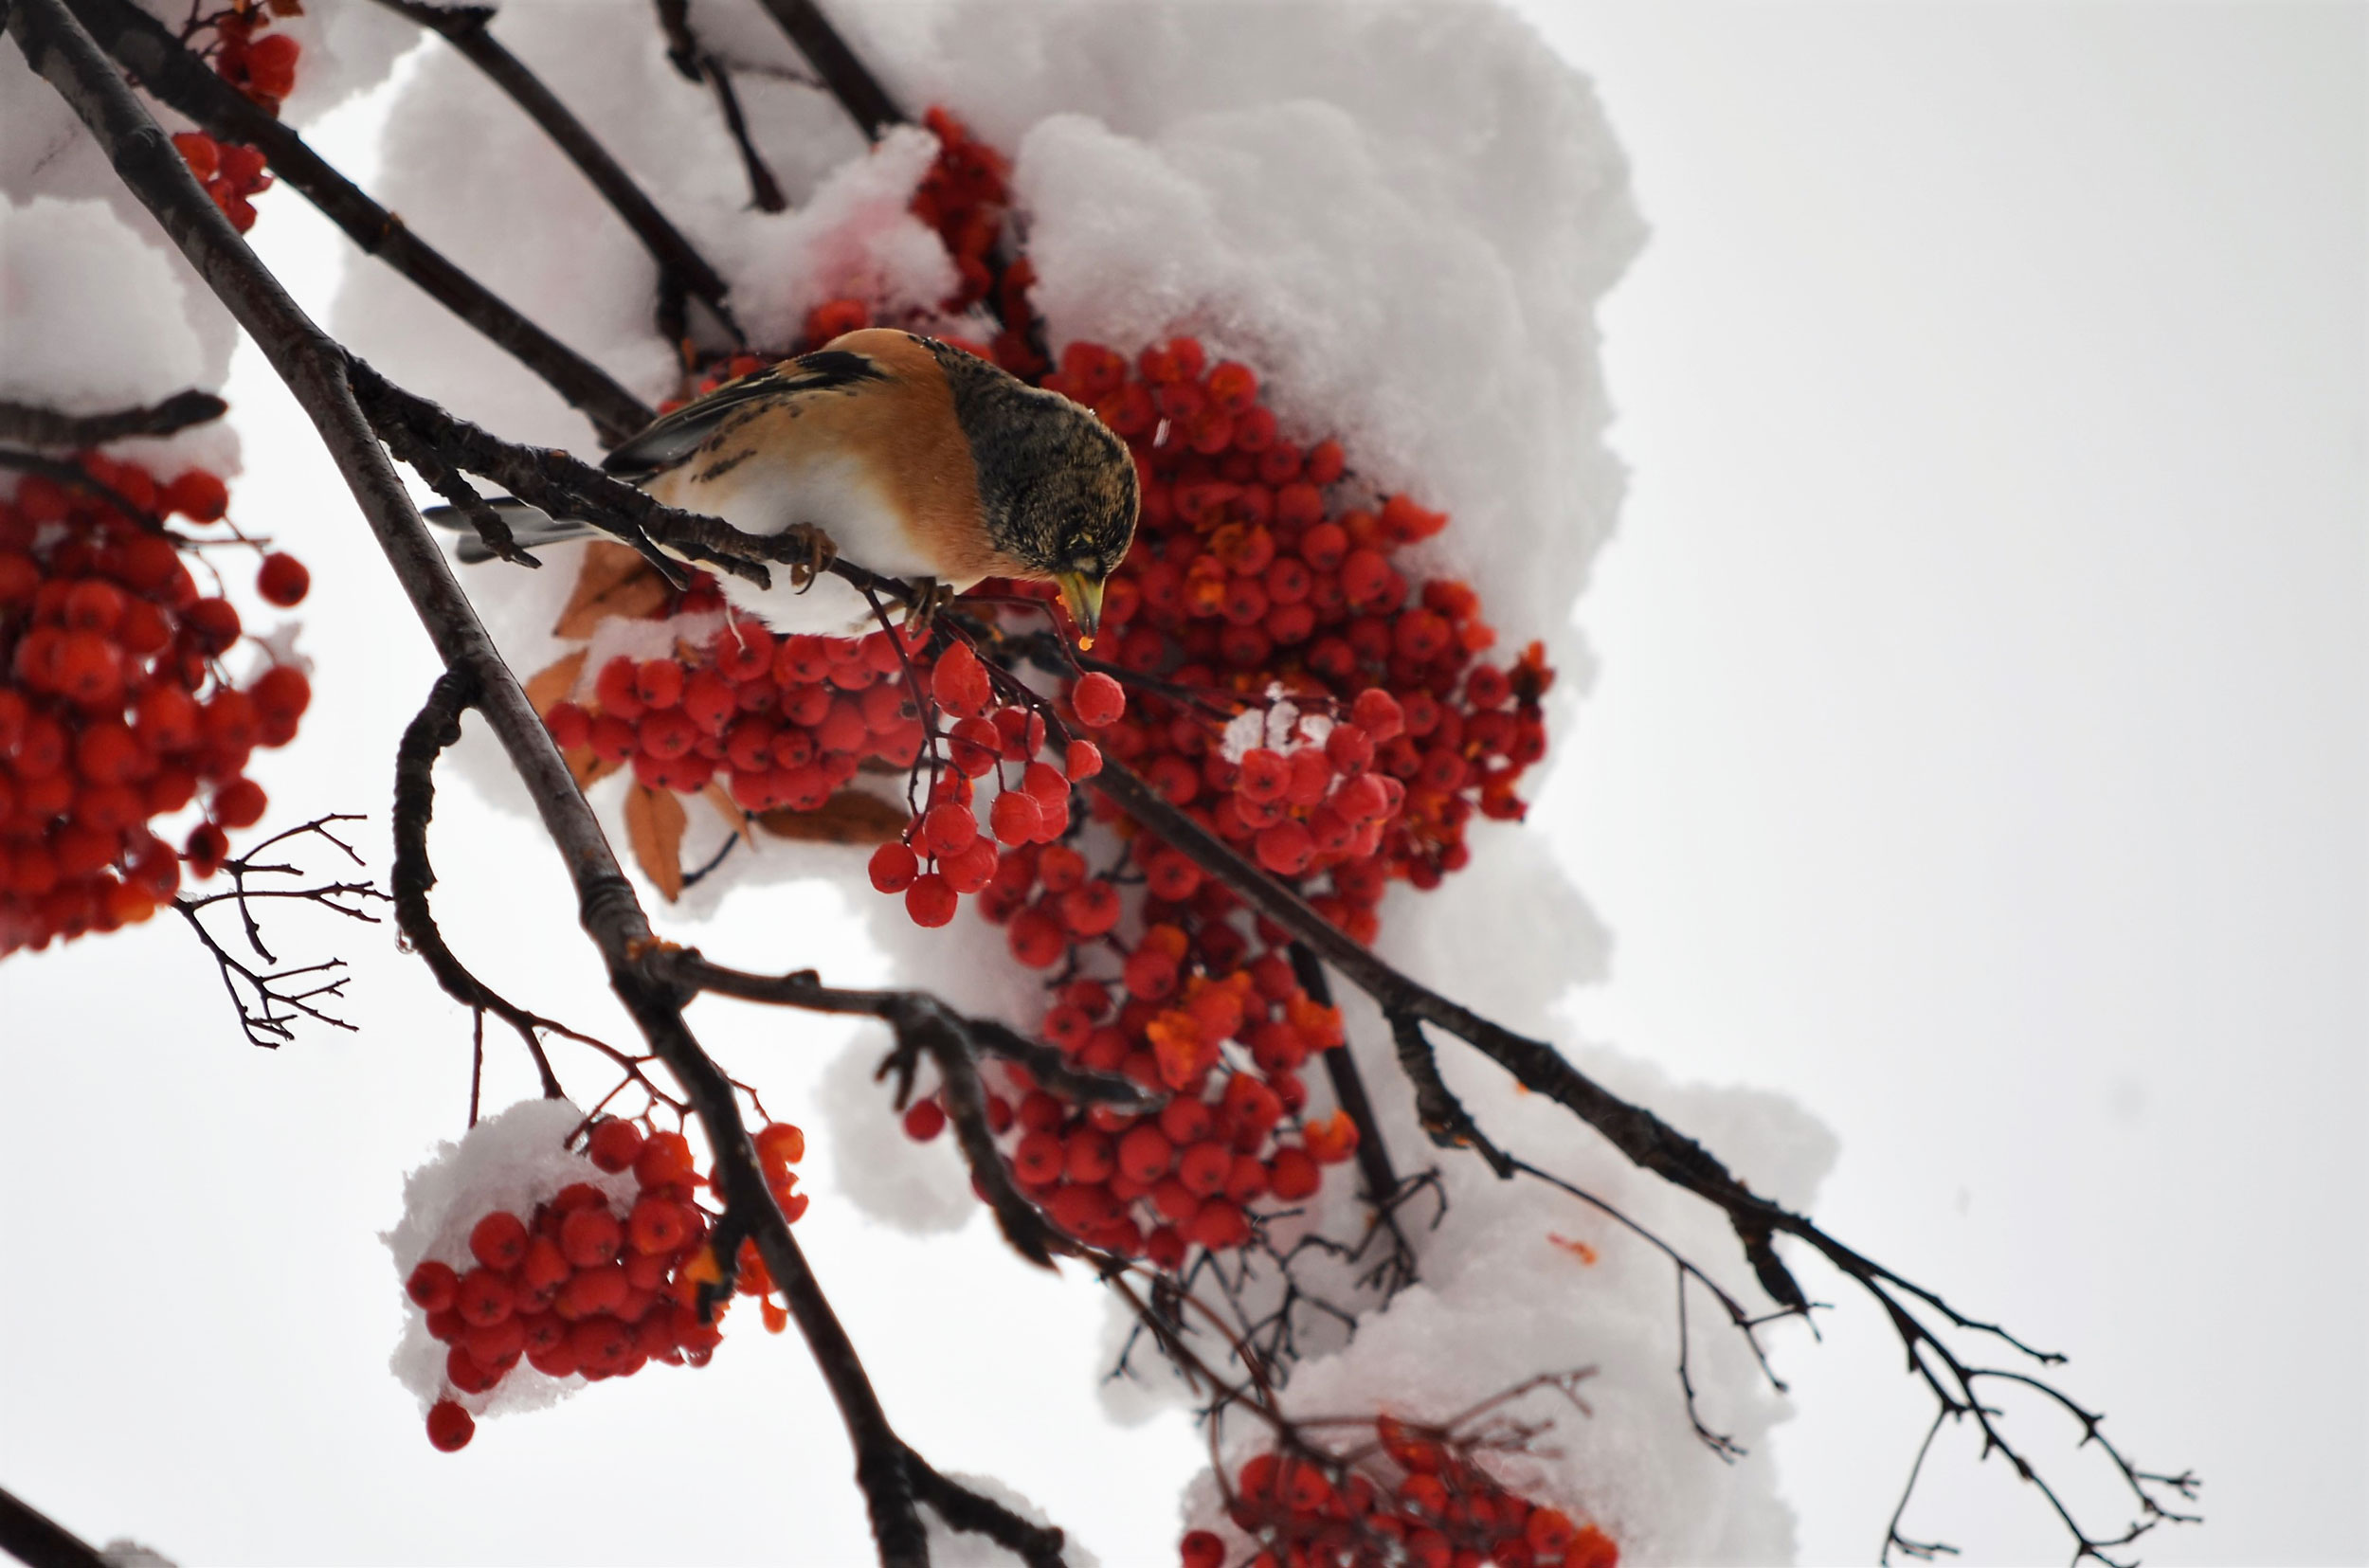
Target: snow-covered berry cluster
{"x":114,"y":707}
{"x":1272,"y":667}
{"x":584,"y":1287}
{"x":1411,"y":1499}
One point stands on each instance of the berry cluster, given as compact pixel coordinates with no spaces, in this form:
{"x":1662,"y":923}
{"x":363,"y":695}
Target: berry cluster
{"x":261,"y":64}
{"x":579,"y":1288}
{"x":1291,"y":689}
{"x":783,"y":721}
{"x":1443,"y":1512}
{"x":113,"y":707}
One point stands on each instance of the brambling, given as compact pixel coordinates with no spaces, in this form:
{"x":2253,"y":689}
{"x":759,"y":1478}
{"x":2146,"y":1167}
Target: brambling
{"x":914,"y":459}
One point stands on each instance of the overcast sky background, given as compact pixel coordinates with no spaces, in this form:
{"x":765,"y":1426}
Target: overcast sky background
{"x":1980,"y":755}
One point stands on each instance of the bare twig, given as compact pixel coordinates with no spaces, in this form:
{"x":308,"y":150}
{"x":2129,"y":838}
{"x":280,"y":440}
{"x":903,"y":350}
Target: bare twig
{"x":696,"y":63}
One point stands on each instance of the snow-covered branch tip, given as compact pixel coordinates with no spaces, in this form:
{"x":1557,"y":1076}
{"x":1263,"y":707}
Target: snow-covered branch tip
{"x":683,"y":271}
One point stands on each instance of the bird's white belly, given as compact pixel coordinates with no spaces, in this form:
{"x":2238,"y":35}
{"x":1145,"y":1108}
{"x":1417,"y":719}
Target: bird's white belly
{"x":832,"y":492}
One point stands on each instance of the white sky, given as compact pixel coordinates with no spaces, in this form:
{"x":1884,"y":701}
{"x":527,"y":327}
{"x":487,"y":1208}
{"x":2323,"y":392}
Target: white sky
{"x":1979,"y":755}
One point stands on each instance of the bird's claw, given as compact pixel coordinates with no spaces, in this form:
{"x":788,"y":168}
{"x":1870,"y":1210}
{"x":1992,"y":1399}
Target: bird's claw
{"x":809,"y":553}
{"x":929,"y":597}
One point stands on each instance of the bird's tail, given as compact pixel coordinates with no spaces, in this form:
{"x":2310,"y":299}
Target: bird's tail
{"x":531,"y":525}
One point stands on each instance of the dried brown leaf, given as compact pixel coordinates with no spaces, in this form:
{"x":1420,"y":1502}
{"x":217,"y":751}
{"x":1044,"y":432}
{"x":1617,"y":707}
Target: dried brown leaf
{"x":728,"y":808}
{"x":612,"y":581}
{"x":653,"y":824}
{"x":850,"y":817}
{"x":550,"y":686}
{"x":587,"y":766}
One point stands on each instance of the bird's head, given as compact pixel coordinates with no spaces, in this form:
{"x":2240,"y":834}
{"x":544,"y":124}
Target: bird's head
{"x":1056,"y":485}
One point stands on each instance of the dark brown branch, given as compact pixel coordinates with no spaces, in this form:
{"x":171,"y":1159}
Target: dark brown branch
{"x":22,"y":421}
{"x":568,"y":486}
{"x":858,"y":90}
{"x":1348,"y":1086}
{"x":415,"y":453}
{"x":464,"y":28}
{"x":424,"y":739}
{"x":315,"y":370}
{"x":1038,"y":1545}
{"x":37,"y":1540}
{"x":156,"y":60}
{"x":1647,"y":1142}
{"x":765,"y":191}
{"x":954,"y":1042}
{"x":694,"y":63}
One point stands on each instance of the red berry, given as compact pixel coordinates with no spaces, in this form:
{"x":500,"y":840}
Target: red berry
{"x":1286,"y":848}
{"x":239,"y":802}
{"x":656,"y":1225}
{"x":481,"y":1297}
{"x":1016,"y":816}
{"x":591,"y":1236}
{"x":283,"y":580}
{"x":1036,"y":939}
{"x":498,"y":1240}
{"x":893,"y":867}
{"x":197,"y":494}
{"x":1291,"y":1175}
{"x":432,"y":1285}
{"x":449,"y":1427}
{"x":659,"y":682}
{"x":930,"y":902}
{"x":614,"y":1144}
{"x":924,"y":1120}
{"x":949,"y":828}
{"x":1099,"y":701}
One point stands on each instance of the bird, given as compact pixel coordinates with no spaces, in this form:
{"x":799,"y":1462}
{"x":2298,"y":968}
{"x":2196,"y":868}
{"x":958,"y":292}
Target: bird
{"x":912,"y":457}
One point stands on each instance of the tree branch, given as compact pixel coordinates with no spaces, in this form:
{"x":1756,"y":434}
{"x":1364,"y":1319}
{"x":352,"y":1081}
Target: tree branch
{"x":37,"y":1540}
{"x":694,"y":63}
{"x":156,"y":60}
{"x":315,"y":370}
{"x":22,"y":421}
{"x":465,"y":28}
{"x":858,"y":90}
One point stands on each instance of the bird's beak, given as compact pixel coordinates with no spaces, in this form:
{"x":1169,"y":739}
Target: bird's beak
{"x":1084,"y":596}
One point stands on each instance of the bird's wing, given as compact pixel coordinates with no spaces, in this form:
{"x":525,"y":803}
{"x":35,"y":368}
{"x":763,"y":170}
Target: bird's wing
{"x":675,"y":436}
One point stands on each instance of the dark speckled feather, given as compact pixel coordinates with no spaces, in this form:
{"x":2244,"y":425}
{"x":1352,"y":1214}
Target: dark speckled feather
{"x":1058,"y":486}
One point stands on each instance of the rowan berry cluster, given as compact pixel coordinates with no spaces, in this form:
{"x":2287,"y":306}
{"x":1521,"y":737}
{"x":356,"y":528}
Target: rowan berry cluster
{"x":261,"y":64}
{"x":583,"y":1287}
{"x":1444,"y":1511}
{"x":1291,"y":689}
{"x":783,"y":722}
{"x":114,"y":709}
